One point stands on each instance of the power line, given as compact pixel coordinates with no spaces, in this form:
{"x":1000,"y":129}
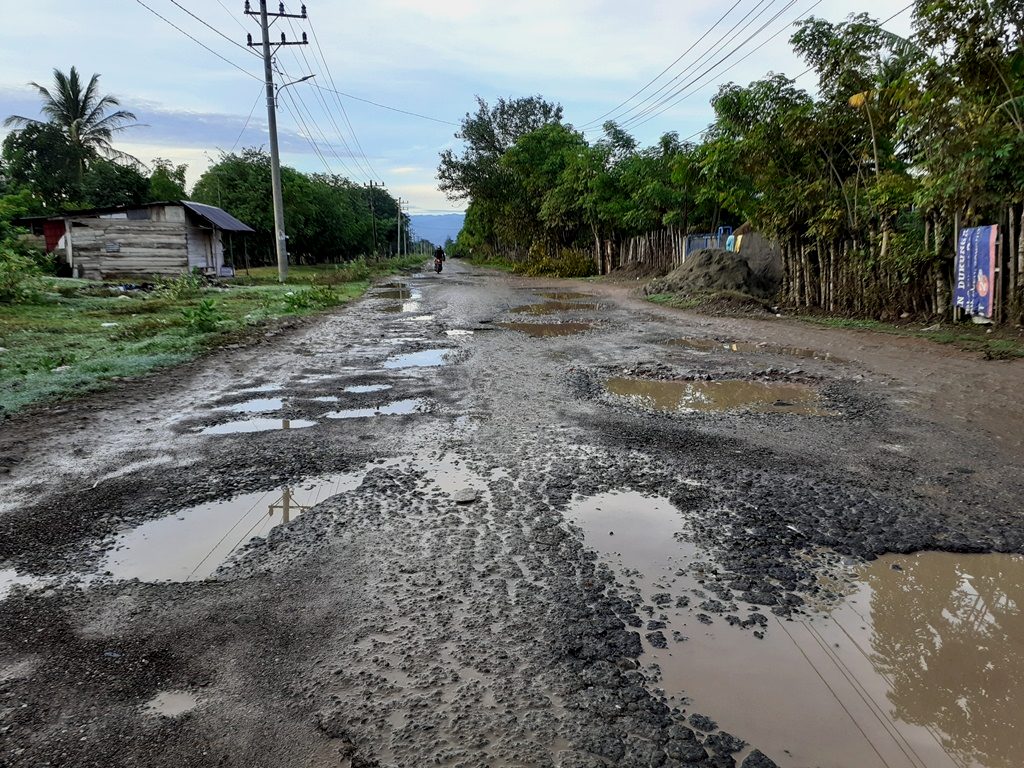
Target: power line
{"x":660,"y":107}
{"x":198,"y":42}
{"x":743,"y":58}
{"x":657,"y":77}
{"x":251,"y":112}
{"x":341,"y":106}
{"x":213,"y":28}
{"x":385,"y":106}
{"x":308,"y":135}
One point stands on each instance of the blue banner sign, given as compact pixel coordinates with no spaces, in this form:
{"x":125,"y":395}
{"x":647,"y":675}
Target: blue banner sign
{"x":976,"y":270}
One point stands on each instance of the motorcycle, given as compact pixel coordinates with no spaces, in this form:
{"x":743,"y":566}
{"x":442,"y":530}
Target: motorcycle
{"x":438,"y":264}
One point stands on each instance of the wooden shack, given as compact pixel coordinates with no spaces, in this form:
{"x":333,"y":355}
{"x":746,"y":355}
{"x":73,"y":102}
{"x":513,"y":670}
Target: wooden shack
{"x":166,"y":238}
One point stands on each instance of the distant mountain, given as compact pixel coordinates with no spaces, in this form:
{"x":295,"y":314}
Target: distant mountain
{"x":437,"y":227}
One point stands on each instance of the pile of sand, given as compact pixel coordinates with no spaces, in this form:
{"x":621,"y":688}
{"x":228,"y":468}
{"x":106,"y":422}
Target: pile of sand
{"x":711,"y":271}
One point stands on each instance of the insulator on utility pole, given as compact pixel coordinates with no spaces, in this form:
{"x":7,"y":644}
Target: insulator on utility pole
{"x":303,"y":10}
{"x":304,"y":38}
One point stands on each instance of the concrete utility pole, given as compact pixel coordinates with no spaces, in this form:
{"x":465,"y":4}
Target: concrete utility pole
{"x":373,"y":219}
{"x":280,"y":237}
{"x":399,"y":227}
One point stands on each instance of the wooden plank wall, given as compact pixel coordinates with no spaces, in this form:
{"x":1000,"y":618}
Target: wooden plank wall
{"x":146,"y":247}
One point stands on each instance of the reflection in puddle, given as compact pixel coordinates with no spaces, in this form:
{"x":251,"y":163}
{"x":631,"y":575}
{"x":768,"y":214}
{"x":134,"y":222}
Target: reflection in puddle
{"x":396,"y":293}
{"x":427,"y":358}
{"x":712,"y":345}
{"x":172,"y":703}
{"x":566,"y":295}
{"x":255,"y":425}
{"x":547,"y":329}
{"x":690,"y":396}
{"x":551,"y":307}
{"x":922,"y":665}
{"x":399,"y":407}
{"x":359,"y":389}
{"x":259,"y":405}
{"x":191,"y":543}
{"x":458,"y":332}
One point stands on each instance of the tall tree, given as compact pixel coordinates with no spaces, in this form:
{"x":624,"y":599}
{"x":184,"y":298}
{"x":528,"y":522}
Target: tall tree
{"x":83,"y":114}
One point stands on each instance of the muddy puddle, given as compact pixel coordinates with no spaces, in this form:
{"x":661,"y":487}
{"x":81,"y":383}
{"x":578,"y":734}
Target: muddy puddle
{"x":397,"y":408}
{"x":255,"y":425}
{"x":359,"y":389}
{"x":10,"y":579}
{"x":552,"y":307}
{"x":256,"y":405}
{"x":565,"y":295}
{"x":542,"y":330}
{"x":171,"y":703}
{"x":711,"y":396}
{"x":190,"y":544}
{"x":427,"y":358}
{"x":921,"y":666}
{"x":394,"y":293}
{"x":748,"y":347}
{"x":458,"y":332}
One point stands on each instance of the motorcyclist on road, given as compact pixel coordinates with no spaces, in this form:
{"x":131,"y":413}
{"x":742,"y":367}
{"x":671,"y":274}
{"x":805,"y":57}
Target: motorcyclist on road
{"x":439,"y":258}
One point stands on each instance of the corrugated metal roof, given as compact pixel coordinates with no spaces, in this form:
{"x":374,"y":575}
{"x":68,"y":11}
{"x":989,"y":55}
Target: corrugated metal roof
{"x":217,"y":217}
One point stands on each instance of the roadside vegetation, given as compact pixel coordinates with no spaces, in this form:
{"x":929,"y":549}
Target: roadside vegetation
{"x":862,"y":184}
{"x":66,"y":337}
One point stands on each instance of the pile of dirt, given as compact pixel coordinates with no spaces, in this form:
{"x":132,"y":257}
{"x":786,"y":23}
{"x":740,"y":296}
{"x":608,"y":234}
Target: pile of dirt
{"x":713,"y":271}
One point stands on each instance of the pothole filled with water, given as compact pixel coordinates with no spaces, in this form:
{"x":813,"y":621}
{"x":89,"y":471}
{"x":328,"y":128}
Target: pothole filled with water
{"x":709,"y":396}
{"x":427,"y":358}
{"x":540,"y":330}
{"x":10,"y":579}
{"x":566,"y":295}
{"x":257,"y":405}
{"x":255,"y":425}
{"x":922,"y":664}
{"x":397,"y":408}
{"x":359,"y":389}
{"x":190,"y":544}
{"x":713,"y":345}
{"x":172,"y":703}
{"x":551,"y":307}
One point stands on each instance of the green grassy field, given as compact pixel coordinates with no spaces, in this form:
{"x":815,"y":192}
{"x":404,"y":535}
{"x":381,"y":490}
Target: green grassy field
{"x":82,"y":335}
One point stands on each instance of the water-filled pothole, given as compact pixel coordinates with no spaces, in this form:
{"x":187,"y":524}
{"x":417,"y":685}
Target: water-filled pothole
{"x":566,"y":295}
{"x":539,"y":330}
{"x":397,"y":408}
{"x":691,"y":396}
{"x":551,"y":307}
{"x":255,"y":425}
{"x":713,"y":345}
{"x":922,"y":664}
{"x":172,"y":703}
{"x":10,"y":578}
{"x":359,"y":389}
{"x":427,"y":358}
{"x":395,"y":293}
{"x":257,"y":405}
{"x":192,"y":543}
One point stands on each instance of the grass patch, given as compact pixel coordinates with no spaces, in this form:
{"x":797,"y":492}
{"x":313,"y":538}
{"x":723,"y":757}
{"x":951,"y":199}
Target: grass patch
{"x":714,"y":302}
{"x":1001,"y":343}
{"x":81,"y":335}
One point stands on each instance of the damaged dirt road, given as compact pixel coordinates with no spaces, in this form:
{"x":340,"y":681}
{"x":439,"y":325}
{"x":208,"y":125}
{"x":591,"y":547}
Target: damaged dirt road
{"x":475,"y":520}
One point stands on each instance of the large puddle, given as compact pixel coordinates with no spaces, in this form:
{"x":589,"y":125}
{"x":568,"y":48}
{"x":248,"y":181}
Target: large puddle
{"x":713,"y":345}
{"x":191,"y":543}
{"x":922,"y":665}
{"x":566,"y":295}
{"x":427,"y":358}
{"x":397,"y":408}
{"x":257,"y":405}
{"x":552,"y":307}
{"x":255,"y":425}
{"x":692,"y":396}
{"x":539,"y":330}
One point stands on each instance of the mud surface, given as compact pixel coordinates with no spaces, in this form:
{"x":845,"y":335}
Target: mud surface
{"x":475,"y":552}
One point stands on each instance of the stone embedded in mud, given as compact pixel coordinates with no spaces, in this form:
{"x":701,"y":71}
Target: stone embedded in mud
{"x":703,"y":723}
{"x":724,"y":743}
{"x":703,"y":618}
{"x":465,"y":496}
{"x":758,"y":759}
{"x":657,"y":639}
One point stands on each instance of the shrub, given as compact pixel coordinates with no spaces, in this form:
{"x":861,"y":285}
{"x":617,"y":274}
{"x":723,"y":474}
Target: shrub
{"x":204,"y":317}
{"x":185,"y":286}
{"x":20,"y":281}
{"x":568,"y":262}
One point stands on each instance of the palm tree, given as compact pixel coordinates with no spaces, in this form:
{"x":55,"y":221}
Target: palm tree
{"x":82,"y":114}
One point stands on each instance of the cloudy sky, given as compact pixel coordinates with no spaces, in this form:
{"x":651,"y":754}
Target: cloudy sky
{"x":428,"y":57}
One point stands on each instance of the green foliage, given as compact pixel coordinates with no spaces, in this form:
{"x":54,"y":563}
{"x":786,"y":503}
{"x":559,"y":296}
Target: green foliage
{"x":185,"y":286}
{"x":567,"y":262}
{"x":167,"y":181}
{"x":203,"y":317}
{"x":108,"y":184}
{"x":19,"y":277}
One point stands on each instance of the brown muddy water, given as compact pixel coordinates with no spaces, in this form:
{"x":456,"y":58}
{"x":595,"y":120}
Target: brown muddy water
{"x":190,"y":544}
{"x":748,"y":347}
{"x":566,"y":295}
{"x":731,"y":395}
{"x":552,"y":307}
{"x":541,"y":330}
{"x":920,"y":666}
